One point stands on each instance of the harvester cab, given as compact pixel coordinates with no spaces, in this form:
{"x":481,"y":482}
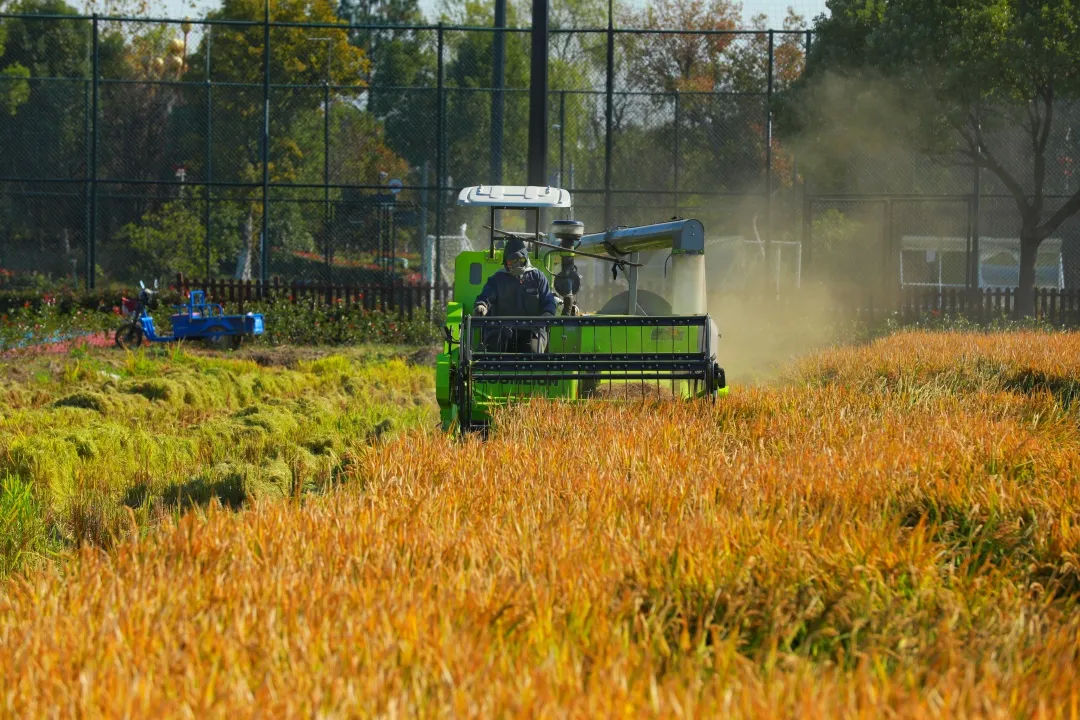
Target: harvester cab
{"x":619,"y":352}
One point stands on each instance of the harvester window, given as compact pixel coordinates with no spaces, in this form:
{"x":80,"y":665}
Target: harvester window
{"x":476,"y":273}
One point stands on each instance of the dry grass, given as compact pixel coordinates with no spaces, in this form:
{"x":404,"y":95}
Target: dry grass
{"x":894,"y":531}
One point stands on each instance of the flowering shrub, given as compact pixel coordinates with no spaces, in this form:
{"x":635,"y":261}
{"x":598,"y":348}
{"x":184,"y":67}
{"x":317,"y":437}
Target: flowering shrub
{"x":47,"y":322}
{"x":305,"y":323}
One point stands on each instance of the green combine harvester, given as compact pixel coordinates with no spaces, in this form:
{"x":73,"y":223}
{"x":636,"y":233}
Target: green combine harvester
{"x":619,"y":352}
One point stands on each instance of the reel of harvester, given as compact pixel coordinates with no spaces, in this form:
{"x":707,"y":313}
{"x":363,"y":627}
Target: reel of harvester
{"x":629,"y":355}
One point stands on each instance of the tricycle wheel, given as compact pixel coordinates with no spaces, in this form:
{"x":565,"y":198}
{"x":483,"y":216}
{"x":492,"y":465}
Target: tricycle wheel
{"x":222,"y":342}
{"x":128,"y":336}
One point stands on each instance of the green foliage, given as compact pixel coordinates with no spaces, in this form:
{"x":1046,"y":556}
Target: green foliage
{"x":295,"y":60}
{"x":43,"y":125}
{"x":14,"y":88}
{"x":171,"y":239}
{"x":32,"y":324}
{"x":399,"y":59}
{"x":845,"y":247}
{"x":303,"y":324}
{"x":468,"y":128}
{"x":25,"y":321}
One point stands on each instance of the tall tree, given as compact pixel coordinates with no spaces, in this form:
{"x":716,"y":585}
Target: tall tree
{"x":468,"y":104}
{"x":14,"y":90}
{"x":402,"y":62}
{"x":45,"y":125}
{"x":301,"y":60}
{"x":982,"y":82}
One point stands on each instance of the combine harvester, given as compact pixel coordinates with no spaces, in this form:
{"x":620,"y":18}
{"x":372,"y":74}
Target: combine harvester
{"x":619,"y":352}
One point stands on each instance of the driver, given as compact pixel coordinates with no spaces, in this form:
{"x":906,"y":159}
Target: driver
{"x":518,"y":289}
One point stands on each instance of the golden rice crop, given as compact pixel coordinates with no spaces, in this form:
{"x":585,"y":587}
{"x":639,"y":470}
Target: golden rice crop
{"x":894,"y":530}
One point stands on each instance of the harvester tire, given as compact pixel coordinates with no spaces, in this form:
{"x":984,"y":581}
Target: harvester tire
{"x":222,"y":342}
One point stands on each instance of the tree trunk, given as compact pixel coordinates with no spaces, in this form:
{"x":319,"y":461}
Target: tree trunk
{"x":1070,"y":260}
{"x":243,"y":260}
{"x":1025,"y":295}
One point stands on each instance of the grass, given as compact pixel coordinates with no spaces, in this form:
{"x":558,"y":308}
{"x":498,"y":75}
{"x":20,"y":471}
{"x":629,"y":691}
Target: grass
{"x":94,"y":441}
{"x":893,"y":530}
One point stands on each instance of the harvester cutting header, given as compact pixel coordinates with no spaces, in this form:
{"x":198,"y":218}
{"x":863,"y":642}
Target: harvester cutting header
{"x":515,"y":331}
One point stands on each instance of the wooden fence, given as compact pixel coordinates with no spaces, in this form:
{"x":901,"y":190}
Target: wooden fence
{"x":1060,"y":307}
{"x":406,"y":299}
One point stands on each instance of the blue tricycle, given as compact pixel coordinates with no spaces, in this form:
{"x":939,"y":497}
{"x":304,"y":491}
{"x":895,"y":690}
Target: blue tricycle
{"x":196,"y":319}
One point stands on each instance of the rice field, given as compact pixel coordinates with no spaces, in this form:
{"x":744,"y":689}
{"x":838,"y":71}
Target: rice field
{"x":891,"y":530}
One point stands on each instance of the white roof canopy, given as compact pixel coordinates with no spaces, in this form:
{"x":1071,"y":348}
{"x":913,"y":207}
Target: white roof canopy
{"x":514,"y":196}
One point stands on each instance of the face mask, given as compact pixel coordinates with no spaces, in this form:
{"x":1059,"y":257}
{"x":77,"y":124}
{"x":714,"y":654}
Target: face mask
{"x":517,"y":267}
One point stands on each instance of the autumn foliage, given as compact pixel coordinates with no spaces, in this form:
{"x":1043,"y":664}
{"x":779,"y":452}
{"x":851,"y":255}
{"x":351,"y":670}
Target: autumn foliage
{"x":893,"y":529}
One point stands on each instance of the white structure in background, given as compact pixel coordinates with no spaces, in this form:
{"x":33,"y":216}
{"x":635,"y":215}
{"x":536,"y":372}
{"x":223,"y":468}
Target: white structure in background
{"x":452,"y":245}
{"x":940,"y":262}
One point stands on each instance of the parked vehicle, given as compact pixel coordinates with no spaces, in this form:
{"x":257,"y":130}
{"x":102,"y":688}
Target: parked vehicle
{"x":194,"y":320}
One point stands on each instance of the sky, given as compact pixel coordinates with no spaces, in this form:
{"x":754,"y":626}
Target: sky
{"x":774,"y":9}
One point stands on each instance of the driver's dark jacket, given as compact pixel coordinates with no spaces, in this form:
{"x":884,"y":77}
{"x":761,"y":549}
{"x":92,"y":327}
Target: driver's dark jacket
{"x":505,"y":294}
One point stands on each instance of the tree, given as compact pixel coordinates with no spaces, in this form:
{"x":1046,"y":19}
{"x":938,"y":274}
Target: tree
{"x":300,"y":62}
{"x":169,"y":240}
{"x":45,"y":125}
{"x":711,"y":85}
{"x":468,"y":95}
{"x":403,"y":66}
{"x":14,"y":90}
{"x":982,"y":82}
{"x":681,"y":62}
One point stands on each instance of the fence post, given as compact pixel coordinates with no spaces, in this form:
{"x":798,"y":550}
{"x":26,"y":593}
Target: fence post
{"x":209,"y":147}
{"x":677,"y":150}
{"x":769,"y":156}
{"x":498,"y":80}
{"x":264,"y":245}
{"x":91,"y":240}
{"x":440,"y":150}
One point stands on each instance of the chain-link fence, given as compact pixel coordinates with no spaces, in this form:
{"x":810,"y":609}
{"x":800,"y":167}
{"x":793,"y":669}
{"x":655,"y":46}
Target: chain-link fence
{"x":141,"y":148}
{"x":333,"y":153}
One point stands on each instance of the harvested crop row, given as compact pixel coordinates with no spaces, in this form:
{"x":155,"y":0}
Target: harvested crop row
{"x":88,"y":439}
{"x":827,"y":547}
